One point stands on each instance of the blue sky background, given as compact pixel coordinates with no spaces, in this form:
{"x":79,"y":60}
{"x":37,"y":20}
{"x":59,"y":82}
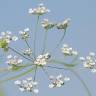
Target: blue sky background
{"x":81,"y":35}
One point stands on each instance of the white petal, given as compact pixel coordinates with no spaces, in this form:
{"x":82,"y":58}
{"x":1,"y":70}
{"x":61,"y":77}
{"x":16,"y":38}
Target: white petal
{"x":22,"y":89}
{"x":17,"y":82}
{"x":26,"y":30}
{"x":66,"y":79}
{"x":36,"y":91}
{"x":9,"y":56}
{"x":51,"y":86}
{"x":14,"y":38}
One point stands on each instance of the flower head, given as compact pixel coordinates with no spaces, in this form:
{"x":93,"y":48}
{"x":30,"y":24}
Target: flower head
{"x":68,"y":51}
{"x":27,"y":52}
{"x":13,"y":60}
{"x":41,"y":60}
{"x":27,"y":85}
{"x":6,"y":38}
{"x":40,"y":10}
{"x":58,"y":81}
{"x":64,"y":24}
{"x":89,"y":62}
{"x":24,"y":34}
{"x":47,"y":25}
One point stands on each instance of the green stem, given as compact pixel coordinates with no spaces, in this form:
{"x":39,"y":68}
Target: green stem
{"x":27,"y":44}
{"x":61,"y":62}
{"x":83,"y":83}
{"x":19,"y":53}
{"x":35,"y":37}
{"x":64,"y":33}
{"x":45,"y":41}
{"x":17,"y":76}
{"x":35,"y":73}
{"x":76,"y":74}
{"x":46,"y":73}
{"x":29,"y":48}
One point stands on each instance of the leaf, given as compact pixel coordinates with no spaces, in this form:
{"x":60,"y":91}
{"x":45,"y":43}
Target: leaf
{"x":17,"y":76}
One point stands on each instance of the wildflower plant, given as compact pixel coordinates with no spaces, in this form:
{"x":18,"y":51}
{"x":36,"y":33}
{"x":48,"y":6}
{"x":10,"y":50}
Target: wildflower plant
{"x":43,"y":60}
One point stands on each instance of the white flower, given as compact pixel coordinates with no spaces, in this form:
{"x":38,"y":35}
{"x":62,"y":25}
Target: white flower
{"x":40,"y":10}
{"x":27,"y":52}
{"x":24,"y":34}
{"x":64,"y":24}
{"x":27,"y":85}
{"x":68,"y":51}
{"x":14,"y":38}
{"x":89,"y":62}
{"x":13,"y":60}
{"x":58,"y":81}
{"x":8,"y":37}
{"x":41,"y":60}
{"x":47,"y":25}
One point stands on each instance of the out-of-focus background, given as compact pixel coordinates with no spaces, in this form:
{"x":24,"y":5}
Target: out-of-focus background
{"x":81,"y":35}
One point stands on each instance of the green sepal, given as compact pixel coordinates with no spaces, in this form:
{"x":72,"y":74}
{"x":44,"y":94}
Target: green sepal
{"x":3,"y":43}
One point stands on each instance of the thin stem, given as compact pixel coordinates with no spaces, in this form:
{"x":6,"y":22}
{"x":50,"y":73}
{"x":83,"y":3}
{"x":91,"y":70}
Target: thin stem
{"x":81,"y":80}
{"x":45,"y":72}
{"x":61,"y":62}
{"x":64,"y":33}
{"x":35,"y":37}
{"x":27,"y":44}
{"x":57,"y":67}
{"x":35,"y":73}
{"x":45,"y":41}
{"x":17,"y":76}
{"x":74,"y":60}
{"x":28,"y":47}
{"x":19,"y":53}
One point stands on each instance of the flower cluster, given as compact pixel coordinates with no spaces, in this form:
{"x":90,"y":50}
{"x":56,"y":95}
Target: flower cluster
{"x":47,"y":25}
{"x":27,"y":52}
{"x":6,"y":38}
{"x":27,"y":85}
{"x":24,"y":34}
{"x":40,"y":10}
{"x":58,"y":81}
{"x":64,"y":24}
{"x":89,"y":61}
{"x":15,"y":63}
{"x":13,"y":60}
{"x":68,"y":51}
{"x":41,"y":60}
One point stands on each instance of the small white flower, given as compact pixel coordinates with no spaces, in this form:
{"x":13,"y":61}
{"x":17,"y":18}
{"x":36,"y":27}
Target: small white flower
{"x":64,"y":24}
{"x":89,"y":62}
{"x":13,"y":60}
{"x":41,"y":60}
{"x":27,"y":52}
{"x":27,"y":85}
{"x":47,"y":25}
{"x":68,"y":51}
{"x":18,"y":82}
{"x":35,"y":91}
{"x":40,"y":10}
{"x":24,"y":34}
{"x":58,"y":81}
{"x":8,"y":37}
{"x":14,"y":38}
